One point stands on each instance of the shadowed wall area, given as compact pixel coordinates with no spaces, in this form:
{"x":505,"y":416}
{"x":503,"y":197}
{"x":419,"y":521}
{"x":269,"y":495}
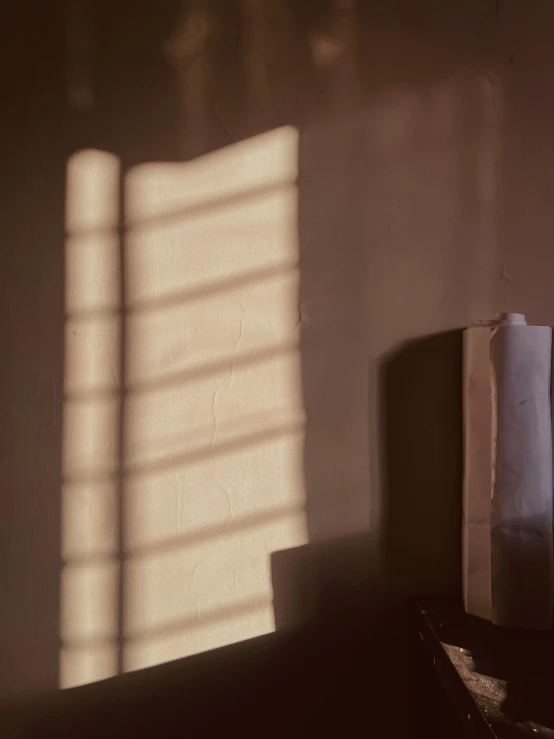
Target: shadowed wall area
{"x":239,"y":241}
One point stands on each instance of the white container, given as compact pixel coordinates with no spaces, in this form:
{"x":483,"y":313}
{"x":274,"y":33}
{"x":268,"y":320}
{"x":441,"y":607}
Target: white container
{"x":507,"y":496}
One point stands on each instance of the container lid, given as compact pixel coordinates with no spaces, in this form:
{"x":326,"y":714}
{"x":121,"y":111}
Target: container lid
{"x":503,"y":319}
{"x":510,"y":319}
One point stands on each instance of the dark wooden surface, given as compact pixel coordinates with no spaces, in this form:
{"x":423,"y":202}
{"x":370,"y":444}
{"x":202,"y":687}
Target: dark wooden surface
{"x":499,"y":682}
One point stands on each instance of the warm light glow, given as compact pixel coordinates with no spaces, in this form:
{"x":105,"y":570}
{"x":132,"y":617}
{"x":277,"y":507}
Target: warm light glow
{"x":223,"y":409}
{"x":89,"y":509}
{"x":183,"y":434}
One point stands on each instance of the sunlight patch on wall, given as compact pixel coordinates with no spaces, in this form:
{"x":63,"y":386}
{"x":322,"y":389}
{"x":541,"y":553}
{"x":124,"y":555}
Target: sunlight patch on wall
{"x":183,"y":419}
{"x":89,"y":506}
{"x":214,"y":420}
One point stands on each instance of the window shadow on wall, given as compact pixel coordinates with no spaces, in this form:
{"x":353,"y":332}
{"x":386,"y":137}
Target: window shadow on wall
{"x":370,"y":90}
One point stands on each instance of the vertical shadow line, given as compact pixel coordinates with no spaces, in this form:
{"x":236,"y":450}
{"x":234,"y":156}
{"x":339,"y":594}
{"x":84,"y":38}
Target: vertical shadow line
{"x":120,"y":482}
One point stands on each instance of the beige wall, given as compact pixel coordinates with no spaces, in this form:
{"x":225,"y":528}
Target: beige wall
{"x":212,"y":414}
{"x":234,"y":235}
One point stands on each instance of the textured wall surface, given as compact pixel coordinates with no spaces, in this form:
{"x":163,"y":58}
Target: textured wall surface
{"x":238,"y":240}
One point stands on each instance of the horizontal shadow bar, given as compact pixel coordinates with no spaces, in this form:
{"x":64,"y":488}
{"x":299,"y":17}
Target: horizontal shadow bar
{"x":183,"y":376}
{"x":193,"y":455}
{"x":231,"y":526}
{"x":187,"y":295}
{"x":174,"y":627}
{"x":181,"y":213}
